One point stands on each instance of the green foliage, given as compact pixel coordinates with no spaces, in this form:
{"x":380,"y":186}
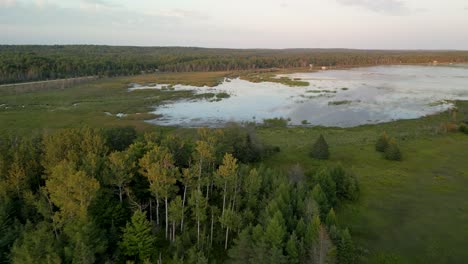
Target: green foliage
{"x":331,"y":218}
{"x":275,"y":122}
{"x":328,"y":185}
{"x":382,"y":143}
{"x":346,"y":249}
{"x":80,"y":211}
{"x":392,"y":152}
{"x":312,"y":232}
{"x":137,"y":239}
{"x":320,"y":149}
{"x":119,"y":138}
{"x":26,"y":63}
{"x":242,"y":249}
{"x":292,"y":249}
{"x":347,"y":187}
{"x":10,"y":229}
{"x":321,"y":198}
{"x":36,"y":245}
{"x":463,"y":127}
{"x":72,"y":191}
{"x":275,"y":233}
{"x":85,"y":242}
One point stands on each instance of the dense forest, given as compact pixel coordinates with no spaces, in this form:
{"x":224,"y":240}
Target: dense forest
{"x":32,"y":63}
{"x":114,"y":196}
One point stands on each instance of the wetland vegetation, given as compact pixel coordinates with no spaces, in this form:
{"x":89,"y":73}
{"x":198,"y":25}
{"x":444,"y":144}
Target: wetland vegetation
{"x":85,"y":178}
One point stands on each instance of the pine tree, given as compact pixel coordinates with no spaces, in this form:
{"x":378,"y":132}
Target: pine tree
{"x":36,"y":245}
{"x":382,"y":143}
{"x":241,"y":251}
{"x":292,"y":250}
{"x":275,"y":231}
{"x":346,"y":250}
{"x":321,"y":199}
{"x":137,"y":239}
{"x":331,"y":218}
{"x":320,"y":149}
{"x":328,"y":185}
{"x":392,"y":152}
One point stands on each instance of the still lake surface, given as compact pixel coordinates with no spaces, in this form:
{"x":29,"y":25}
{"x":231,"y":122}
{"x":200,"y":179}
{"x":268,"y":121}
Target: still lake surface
{"x":341,"y":98}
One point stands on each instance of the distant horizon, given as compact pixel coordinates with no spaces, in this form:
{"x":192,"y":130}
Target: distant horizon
{"x":230,"y":48}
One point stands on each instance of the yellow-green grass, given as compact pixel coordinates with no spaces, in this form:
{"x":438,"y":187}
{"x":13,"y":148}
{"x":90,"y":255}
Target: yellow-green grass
{"x":84,"y":104}
{"x":187,"y":78}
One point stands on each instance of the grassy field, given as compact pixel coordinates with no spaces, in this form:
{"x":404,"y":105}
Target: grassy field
{"x":413,"y":211}
{"x":87,"y":104}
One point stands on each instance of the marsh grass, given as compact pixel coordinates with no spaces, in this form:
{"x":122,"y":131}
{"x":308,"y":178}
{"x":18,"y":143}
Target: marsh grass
{"x":407,"y":209}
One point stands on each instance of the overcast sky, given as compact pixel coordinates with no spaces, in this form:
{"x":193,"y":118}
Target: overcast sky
{"x":364,"y":24}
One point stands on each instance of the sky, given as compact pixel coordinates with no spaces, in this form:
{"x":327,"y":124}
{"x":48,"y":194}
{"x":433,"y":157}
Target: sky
{"x":359,"y":24}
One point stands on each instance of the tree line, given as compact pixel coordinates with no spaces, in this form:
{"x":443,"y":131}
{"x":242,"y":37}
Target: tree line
{"x":20,"y":63}
{"x":112,"y":196}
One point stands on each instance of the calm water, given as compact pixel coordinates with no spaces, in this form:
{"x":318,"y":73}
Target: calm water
{"x":333,"y":98}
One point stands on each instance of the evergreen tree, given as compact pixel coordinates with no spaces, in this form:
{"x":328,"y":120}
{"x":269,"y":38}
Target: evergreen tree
{"x":346,"y":250}
{"x":327,"y":184}
{"x":137,"y":239}
{"x":241,"y":251}
{"x":320,"y":149}
{"x":382,"y":143}
{"x":331,"y":218}
{"x":392,"y":152}
{"x":275,"y":231}
{"x":292,"y":249}
{"x":321,"y":198}
{"x":36,"y":245}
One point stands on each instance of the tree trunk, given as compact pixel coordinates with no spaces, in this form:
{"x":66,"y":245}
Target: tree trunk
{"x":200,"y":172}
{"x":151,"y":210}
{"x":212,"y":223}
{"x":227,"y":234}
{"x":224,"y":197}
{"x":198,"y":231}
{"x":157,"y":211}
{"x":173,"y":231}
{"x":234,"y":199}
{"x":183,"y":207}
{"x":120,"y":194}
{"x":167,"y":223}
{"x":207,"y":191}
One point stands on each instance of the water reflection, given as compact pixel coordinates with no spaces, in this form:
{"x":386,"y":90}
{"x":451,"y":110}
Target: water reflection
{"x":334,"y":98}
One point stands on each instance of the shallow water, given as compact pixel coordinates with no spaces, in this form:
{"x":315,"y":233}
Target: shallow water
{"x":333,"y":98}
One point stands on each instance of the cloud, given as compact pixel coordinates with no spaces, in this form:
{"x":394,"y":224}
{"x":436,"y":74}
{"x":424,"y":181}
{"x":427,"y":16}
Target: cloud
{"x":390,"y":7}
{"x":7,"y":3}
{"x":93,"y":15}
{"x":98,"y":4}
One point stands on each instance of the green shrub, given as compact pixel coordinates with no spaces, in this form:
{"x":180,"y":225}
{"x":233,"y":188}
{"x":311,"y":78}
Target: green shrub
{"x":320,"y":149}
{"x":275,"y":122}
{"x":382,"y":143}
{"x":392,"y":152}
{"x":463,"y":128}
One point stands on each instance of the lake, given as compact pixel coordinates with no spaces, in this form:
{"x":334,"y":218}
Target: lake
{"x":342,"y":98}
